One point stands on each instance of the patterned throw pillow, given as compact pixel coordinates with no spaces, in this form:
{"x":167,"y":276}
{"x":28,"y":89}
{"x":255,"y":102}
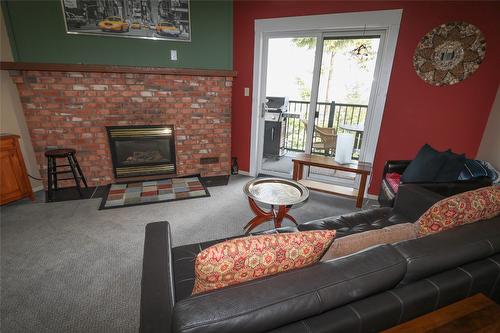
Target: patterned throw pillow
{"x":243,"y":259}
{"x":462,"y":208}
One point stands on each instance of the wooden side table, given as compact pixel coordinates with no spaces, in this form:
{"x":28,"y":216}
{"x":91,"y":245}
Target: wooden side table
{"x":361,"y":168}
{"x":477,"y":313}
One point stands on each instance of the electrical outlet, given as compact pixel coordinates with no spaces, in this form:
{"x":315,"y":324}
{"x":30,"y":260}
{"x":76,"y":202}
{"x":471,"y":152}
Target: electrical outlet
{"x":246,"y":91}
{"x":173,"y":55}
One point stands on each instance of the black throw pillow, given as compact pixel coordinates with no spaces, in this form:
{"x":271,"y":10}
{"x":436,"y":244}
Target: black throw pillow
{"x":451,"y":169}
{"x":425,"y":166}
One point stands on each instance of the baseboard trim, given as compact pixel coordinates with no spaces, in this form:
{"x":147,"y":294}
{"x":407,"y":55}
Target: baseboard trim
{"x":244,"y":173}
{"x":372,"y":196}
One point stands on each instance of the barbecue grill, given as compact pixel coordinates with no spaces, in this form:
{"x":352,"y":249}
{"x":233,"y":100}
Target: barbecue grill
{"x":274,"y":127}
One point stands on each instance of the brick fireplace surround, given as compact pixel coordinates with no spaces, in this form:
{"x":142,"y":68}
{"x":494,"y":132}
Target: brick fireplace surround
{"x":71,"y":109}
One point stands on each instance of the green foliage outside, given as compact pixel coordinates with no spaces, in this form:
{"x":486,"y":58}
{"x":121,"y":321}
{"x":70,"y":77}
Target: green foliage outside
{"x":343,"y":114}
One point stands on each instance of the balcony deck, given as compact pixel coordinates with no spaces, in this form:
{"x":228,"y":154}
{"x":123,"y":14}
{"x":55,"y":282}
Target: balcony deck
{"x":328,"y":116}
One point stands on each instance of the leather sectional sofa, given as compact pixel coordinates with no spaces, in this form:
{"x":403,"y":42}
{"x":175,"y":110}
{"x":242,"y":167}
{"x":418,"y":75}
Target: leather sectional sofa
{"x":368,"y":291}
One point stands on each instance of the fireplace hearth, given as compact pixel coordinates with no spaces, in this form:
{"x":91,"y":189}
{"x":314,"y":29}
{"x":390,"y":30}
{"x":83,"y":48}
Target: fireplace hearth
{"x":142,"y":150}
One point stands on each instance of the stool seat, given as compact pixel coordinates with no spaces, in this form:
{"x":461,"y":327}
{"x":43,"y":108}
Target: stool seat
{"x":57,"y":153}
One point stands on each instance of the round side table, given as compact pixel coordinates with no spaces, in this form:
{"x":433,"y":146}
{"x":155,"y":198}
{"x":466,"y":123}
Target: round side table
{"x":281,"y":194}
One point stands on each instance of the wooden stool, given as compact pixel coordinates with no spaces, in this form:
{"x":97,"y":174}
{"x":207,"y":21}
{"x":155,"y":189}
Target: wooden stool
{"x":52,"y":172}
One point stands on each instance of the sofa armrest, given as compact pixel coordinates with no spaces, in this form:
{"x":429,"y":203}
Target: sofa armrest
{"x":413,"y":200}
{"x":157,"y":285}
{"x":397,"y":166}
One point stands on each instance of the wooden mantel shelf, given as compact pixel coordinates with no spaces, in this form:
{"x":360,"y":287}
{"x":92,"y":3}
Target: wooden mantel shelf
{"x":33,"y":66}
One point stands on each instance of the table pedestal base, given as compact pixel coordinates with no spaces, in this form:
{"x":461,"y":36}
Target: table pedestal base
{"x":277,"y":214}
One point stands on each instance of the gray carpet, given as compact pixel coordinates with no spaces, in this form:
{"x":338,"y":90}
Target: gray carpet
{"x":68,"y":267}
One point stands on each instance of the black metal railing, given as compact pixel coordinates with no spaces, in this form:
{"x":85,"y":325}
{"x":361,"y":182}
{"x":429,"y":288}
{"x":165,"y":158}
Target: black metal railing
{"x":328,"y":115}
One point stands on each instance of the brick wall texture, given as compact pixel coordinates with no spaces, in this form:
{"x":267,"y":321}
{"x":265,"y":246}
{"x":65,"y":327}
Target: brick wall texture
{"x":71,"y":109}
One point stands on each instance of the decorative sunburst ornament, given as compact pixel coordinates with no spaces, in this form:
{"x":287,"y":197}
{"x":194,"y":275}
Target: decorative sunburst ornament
{"x":449,"y":53}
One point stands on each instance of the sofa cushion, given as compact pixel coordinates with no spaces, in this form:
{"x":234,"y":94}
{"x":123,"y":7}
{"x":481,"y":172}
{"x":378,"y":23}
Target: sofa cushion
{"x":390,"y":308}
{"x":425,"y":166}
{"x":444,"y":250}
{"x":265,"y":304}
{"x":466,"y":207}
{"x":243,"y":259}
{"x":451,"y":169}
{"x":414,"y":200}
{"x":363,"y":240}
{"x":355,"y":222}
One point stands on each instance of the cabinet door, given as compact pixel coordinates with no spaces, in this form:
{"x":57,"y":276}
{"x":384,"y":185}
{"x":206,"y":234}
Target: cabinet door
{"x":12,"y":185}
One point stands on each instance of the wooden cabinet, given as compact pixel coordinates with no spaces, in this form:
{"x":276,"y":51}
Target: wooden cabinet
{"x":14,"y":182}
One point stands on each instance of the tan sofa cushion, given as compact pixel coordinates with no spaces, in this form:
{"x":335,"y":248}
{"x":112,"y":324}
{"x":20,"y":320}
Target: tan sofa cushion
{"x":353,"y":243}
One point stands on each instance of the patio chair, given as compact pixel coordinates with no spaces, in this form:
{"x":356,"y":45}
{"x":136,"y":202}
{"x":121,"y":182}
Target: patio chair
{"x":327,"y":138}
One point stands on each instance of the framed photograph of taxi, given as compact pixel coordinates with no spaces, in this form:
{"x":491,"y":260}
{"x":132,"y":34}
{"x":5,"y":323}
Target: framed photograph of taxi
{"x":147,"y":19}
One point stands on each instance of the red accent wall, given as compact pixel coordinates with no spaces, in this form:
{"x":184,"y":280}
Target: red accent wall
{"x":415,"y":112}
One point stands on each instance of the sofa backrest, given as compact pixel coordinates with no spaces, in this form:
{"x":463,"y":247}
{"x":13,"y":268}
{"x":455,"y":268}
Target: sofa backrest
{"x":413,"y":200}
{"x":444,"y":250}
{"x":275,"y":301}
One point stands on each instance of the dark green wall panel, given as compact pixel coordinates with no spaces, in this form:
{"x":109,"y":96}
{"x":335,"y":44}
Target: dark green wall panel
{"x":37,"y":33}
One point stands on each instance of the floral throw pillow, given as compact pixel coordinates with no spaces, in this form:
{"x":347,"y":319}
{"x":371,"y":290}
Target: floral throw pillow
{"x":462,"y":208}
{"x":243,"y":259}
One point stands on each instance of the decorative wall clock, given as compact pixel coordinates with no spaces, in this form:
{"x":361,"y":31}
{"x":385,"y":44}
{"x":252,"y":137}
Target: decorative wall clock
{"x":449,"y":53}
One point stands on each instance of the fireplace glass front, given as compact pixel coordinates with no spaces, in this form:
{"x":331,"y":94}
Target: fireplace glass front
{"x":142,"y":150}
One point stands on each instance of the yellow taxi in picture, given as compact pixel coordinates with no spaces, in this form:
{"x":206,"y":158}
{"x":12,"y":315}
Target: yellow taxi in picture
{"x":136,"y":25}
{"x":114,"y":24}
{"x":166,"y":28}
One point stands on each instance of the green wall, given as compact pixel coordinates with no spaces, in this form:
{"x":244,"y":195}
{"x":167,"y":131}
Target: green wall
{"x":37,"y":34}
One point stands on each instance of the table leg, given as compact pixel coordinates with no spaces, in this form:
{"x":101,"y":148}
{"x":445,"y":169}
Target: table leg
{"x":279,"y":215}
{"x":261,"y":216}
{"x":295,"y":170}
{"x":298,"y":170}
{"x":291,"y":219}
{"x":276,"y":215}
{"x":361,"y":191}
{"x":256,"y":221}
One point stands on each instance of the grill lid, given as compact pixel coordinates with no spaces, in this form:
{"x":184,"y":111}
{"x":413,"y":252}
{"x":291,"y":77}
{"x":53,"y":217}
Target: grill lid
{"x":277,"y":104}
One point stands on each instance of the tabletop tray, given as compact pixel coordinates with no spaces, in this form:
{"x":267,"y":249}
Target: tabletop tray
{"x":276,"y":191}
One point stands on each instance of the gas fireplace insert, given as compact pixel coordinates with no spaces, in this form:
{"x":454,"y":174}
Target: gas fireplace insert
{"x":142,"y":150}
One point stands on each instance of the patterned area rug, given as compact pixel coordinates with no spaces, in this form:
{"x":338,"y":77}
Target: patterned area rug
{"x":141,"y":193}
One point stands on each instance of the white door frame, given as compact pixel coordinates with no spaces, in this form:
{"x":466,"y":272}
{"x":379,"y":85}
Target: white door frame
{"x":385,"y":20}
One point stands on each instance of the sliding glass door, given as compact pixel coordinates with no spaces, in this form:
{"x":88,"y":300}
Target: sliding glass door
{"x":346,"y":74}
{"x":316,"y":94}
